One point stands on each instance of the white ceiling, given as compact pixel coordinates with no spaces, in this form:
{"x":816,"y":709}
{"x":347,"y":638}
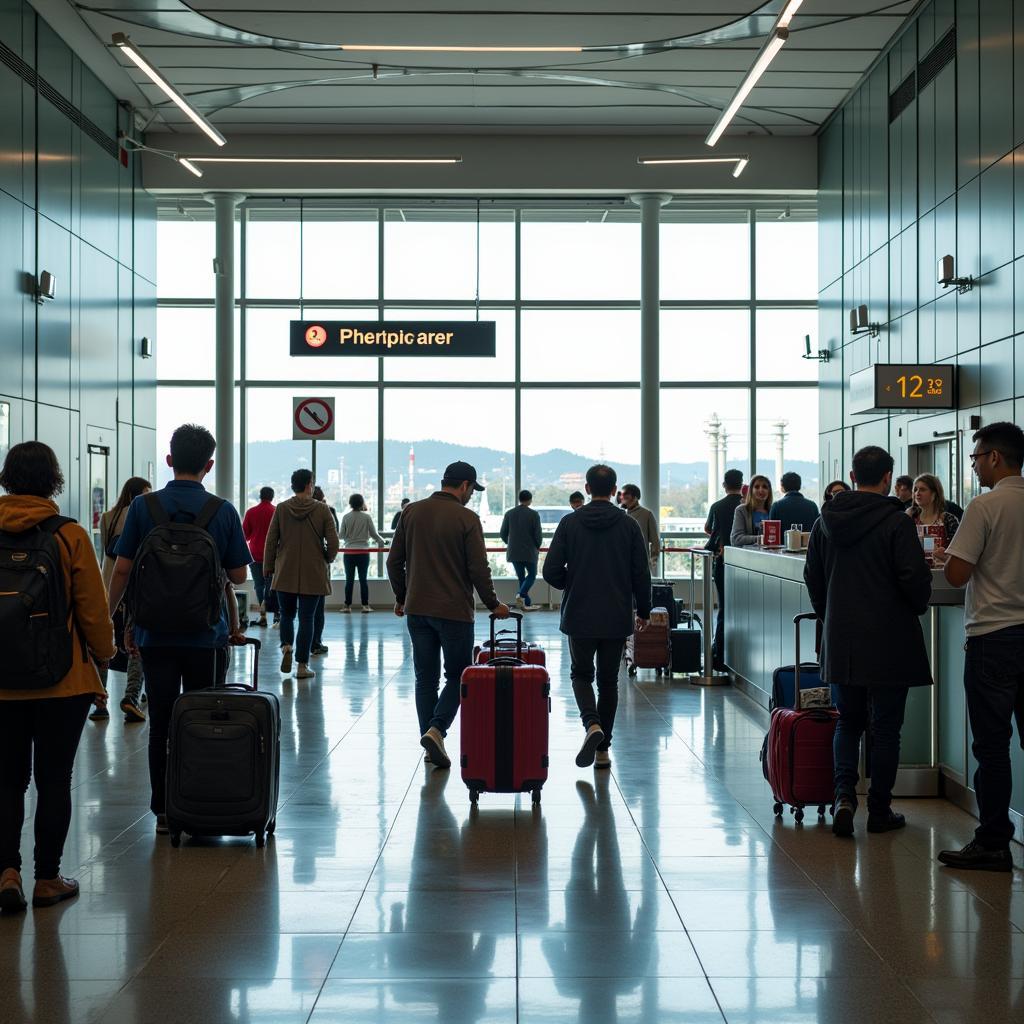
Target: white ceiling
{"x":679,"y":89}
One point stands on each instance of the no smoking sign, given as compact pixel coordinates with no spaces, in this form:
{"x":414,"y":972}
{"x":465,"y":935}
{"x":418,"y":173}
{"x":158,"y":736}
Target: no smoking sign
{"x":313,"y":419}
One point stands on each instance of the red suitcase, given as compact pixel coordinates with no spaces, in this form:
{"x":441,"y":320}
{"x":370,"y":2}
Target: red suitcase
{"x":509,"y":647}
{"x":797,"y":753}
{"x":505,"y":709}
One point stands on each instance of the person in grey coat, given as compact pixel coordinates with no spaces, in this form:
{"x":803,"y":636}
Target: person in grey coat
{"x":869,"y":583}
{"x":521,"y":533}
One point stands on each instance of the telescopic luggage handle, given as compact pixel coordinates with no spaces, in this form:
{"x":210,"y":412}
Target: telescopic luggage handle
{"x":518,"y":618}
{"x":250,"y":641}
{"x":797,"y":619}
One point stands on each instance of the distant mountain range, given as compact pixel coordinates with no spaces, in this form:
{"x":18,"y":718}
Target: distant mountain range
{"x":273,"y":462}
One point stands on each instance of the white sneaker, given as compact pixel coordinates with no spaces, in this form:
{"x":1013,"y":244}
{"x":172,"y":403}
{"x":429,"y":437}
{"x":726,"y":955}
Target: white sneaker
{"x":304,"y":672}
{"x":367,"y":609}
{"x":346,"y":610}
{"x":530,"y":608}
{"x":595,"y":737}
{"x":286,"y":660}
{"x":520,"y":603}
{"x":433,"y":743}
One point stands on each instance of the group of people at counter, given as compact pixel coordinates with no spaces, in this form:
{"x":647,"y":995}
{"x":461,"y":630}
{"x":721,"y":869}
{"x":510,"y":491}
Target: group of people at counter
{"x":870,"y":558}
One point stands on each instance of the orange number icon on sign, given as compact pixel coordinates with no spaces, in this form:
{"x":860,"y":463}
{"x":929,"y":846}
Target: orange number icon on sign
{"x":315,"y":336}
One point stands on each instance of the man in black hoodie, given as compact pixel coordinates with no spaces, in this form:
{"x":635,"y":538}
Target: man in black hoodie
{"x":598,"y":557}
{"x":869,"y":583}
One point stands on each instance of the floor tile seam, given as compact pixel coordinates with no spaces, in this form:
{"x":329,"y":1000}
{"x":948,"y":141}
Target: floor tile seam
{"x":369,"y":877}
{"x":91,"y":862}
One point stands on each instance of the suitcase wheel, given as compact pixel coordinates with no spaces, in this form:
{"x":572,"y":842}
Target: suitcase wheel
{"x":474,"y":796}
{"x":777,"y":809}
{"x":261,"y":840}
{"x":536,"y":796}
{"x":631,"y":670}
{"x":175,"y":839}
{"x":798,"y":813}
{"x":271,"y":828}
{"x":821,"y":812}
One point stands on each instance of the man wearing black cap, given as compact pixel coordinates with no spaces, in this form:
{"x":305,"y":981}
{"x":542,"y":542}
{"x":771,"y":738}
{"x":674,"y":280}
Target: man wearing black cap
{"x":437,"y":558}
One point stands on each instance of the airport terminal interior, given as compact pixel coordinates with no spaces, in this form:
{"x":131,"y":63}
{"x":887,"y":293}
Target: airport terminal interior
{"x":376,"y":239}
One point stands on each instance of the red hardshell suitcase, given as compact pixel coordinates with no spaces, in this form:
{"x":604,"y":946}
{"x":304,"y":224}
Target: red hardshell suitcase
{"x":798,"y":761}
{"x":509,"y":647}
{"x":505,"y":709}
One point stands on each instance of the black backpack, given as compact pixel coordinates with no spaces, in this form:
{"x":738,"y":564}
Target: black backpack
{"x":177,"y":582}
{"x":36,"y":624}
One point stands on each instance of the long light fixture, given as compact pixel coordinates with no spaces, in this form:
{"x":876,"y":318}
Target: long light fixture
{"x":740,"y":160}
{"x":389,"y":48}
{"x":325,"y":159}
{"x":131,"y":51}
{"x":190,"y":166}
{"x":774,"y":43}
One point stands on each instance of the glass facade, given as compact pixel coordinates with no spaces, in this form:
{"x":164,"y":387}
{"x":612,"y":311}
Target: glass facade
{"x":562,"y":283}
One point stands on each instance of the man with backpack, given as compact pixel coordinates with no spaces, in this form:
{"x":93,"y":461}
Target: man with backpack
{"x":180,"y":551}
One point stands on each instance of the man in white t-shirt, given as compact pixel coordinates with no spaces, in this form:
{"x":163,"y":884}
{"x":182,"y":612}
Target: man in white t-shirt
{"x":987,"y":555}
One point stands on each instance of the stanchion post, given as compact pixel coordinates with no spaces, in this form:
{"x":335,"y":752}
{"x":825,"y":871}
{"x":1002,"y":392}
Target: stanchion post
{"x":708,"y":677}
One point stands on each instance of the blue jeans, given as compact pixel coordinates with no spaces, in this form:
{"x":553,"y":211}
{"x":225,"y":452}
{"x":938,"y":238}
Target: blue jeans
{"x":305,"y":605}
{"x":526,"y":573}
{"x":431,"y":637}
{"x":994,"y":681}
{"x":886,"y":705}
{"x":318,"y":621}
{"x":354,"y":564}
{"x":265,"y":597}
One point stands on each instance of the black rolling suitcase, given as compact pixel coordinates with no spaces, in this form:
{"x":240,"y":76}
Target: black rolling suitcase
{"x":662,"y":596}
{"x":224,"y":761}
{"x":686,"y":649}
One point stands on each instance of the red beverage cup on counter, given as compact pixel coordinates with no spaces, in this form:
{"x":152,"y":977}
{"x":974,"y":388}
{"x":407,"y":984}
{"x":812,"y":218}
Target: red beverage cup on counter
{"x":772,"y":532}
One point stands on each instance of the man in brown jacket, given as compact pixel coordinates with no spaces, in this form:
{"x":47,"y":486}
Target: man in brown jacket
{"x":437,"y":558}
{"x":302,"y":542}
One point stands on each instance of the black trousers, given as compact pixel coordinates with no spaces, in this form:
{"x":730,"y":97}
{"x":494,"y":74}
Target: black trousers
{"x":39,"y":736}
{"x":584,"y":651}
{"x":719,"y":644}
{"x":354,"y":564}
{"x":169,"y":672}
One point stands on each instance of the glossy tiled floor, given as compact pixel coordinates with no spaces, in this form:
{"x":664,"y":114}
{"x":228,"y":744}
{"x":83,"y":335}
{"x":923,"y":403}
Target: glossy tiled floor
{"x":665,"y":892}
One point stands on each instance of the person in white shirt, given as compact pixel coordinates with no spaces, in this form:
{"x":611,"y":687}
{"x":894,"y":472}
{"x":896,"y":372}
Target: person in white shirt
{"x":357,"y":530}
{"x":987,"y":555}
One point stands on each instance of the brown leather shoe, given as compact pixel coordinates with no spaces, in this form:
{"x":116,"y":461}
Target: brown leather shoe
{"x":12,"y":895}
{"x":51,"y":891}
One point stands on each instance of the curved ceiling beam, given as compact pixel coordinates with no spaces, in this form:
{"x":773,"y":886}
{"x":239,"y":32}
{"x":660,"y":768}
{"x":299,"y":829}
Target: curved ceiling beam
{"x":178,"y":17}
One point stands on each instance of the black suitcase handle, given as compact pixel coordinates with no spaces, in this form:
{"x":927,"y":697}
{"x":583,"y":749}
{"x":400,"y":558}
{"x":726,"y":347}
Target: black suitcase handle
{"x":797,"y":619}
{"x":256,"y":644}
{"x":517,"y":617}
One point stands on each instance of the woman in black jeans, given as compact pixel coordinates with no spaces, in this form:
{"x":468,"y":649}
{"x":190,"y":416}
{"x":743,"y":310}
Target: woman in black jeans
{"x":40,"y":727}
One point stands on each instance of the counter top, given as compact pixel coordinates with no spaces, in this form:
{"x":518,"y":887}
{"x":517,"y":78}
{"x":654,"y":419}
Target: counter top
{"x":789,"y":565}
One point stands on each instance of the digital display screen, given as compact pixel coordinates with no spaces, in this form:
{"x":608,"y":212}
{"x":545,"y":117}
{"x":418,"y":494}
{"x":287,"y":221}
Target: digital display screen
{"x":903,"y":386}
{"x":392,"y":338}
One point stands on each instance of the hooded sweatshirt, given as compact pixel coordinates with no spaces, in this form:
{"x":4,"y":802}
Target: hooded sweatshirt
{"x":90,"y":620}
{"x":599,"y":559}
{"x":869,"y":583}
{"x":301,"y":543}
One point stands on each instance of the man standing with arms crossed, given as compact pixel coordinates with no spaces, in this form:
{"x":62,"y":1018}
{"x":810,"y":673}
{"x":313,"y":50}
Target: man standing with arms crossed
{"x":987,"y":556}
{"x":437,"y":558}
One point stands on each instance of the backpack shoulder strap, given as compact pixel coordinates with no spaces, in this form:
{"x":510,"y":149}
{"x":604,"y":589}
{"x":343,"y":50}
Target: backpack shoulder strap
{"x":156,"y":509}
{"x":208,"y":511}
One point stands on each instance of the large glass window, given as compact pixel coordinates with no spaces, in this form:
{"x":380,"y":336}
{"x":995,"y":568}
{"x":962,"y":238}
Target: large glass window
{"x":738,"y":296}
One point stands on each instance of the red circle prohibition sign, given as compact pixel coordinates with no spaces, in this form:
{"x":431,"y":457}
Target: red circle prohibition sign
{"x":314,"y":416}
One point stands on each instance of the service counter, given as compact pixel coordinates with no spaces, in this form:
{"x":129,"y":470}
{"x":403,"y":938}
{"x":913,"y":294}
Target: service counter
{"x":765,"y":590}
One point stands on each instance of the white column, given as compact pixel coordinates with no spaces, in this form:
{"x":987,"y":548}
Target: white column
{"x":779,"y":430}
{"x":712,"y":429}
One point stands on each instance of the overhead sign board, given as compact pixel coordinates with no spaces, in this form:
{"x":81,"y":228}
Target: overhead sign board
{"x":903,"y":387}
{"x":312,"y":419}
{"x":392,"y":338}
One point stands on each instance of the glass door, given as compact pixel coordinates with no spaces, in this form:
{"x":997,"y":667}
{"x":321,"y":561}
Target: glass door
{"x":99,"y":467}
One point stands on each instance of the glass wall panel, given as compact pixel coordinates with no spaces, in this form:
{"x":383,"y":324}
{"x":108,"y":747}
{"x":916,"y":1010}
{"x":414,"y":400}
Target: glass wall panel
{"x":796,"y":409}
{"x":273,"y":252}
{"x":186,"y":345}
{"x":580,"y":344}
{"x":781,"y":345}
{"x":438,"y":254}
{"x":705,"y":344}
{"x":339,"y":254}
{"x":787,"y":254}
{"x":456,"y":368}
{"x":580,"y":255}
{"x":705,"y":255}
{"x":184,"y":258}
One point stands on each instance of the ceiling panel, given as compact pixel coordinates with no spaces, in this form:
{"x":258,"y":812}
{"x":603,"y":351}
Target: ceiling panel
{"x":679,"y":86}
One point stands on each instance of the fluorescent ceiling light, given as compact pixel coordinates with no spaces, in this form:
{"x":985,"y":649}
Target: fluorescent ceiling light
{"x":387,"y":48}
{"x":326,"y":159}
{"x":765,"y":57}
{"x":787,"y":13}
{"x":131,"y":51}
{"x":189,"y":166}
{"x":740,"y":161}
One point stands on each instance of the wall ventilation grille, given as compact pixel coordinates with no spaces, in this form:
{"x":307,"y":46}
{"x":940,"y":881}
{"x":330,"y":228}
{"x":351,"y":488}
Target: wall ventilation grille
{"x":903,"y":96}
{"x":28,"y":75}
{"x":941,"y":54}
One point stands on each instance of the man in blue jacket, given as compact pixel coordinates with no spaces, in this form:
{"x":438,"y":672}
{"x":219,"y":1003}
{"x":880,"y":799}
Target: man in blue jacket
{"x":793,"y":507}
{"x":598,"y":558}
